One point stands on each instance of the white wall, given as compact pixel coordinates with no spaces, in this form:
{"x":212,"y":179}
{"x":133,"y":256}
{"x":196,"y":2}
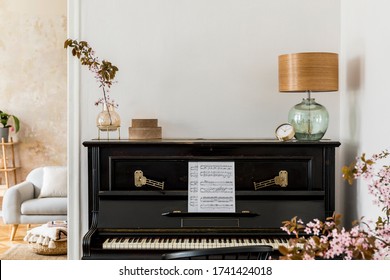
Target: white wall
{"x":365,"y":98}
{"x":204,"y":68}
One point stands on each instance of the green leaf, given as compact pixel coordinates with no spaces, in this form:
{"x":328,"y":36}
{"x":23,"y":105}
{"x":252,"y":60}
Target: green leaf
{"x":16,"y":123}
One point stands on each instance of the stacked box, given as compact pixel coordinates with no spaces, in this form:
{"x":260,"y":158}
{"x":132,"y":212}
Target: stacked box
{"x":144,"y":129}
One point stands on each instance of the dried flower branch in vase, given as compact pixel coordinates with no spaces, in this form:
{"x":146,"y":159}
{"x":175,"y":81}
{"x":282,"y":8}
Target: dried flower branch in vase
{"x":104,"y":71}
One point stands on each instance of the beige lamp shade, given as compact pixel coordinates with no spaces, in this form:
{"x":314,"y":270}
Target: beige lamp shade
{"x":312,"y":71}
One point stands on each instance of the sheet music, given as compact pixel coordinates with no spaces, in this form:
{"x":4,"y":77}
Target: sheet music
{"x":211,"y":187}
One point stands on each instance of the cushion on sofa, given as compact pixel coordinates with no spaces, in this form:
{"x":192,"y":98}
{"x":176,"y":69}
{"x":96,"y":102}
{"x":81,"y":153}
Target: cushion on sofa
{"x":45,"y":206}
{"x":54,"y":182}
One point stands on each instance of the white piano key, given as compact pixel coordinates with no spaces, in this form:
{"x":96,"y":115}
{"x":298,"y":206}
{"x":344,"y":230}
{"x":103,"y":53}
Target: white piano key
{"x":246,"y":242}
{"x":172,"y":243}
{"x":115,"y":244}
{"x":184,"y":243}
{"x":120,"y":243}
{"x":106,"y":244}
{"x":143,"y":243}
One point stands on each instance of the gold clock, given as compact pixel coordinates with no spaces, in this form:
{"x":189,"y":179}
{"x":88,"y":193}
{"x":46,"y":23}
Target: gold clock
{"x":285,"y":132}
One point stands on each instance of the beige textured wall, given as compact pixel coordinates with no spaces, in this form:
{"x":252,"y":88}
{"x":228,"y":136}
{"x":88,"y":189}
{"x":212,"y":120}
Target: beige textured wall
{"x":33,"y":79}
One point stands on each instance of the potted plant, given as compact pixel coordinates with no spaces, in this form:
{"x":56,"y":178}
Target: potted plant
{"x":104,"y":72}
{"x":4,"y":130}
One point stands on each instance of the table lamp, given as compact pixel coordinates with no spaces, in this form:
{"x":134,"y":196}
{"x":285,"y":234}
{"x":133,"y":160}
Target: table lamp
{"x":308,"y":72}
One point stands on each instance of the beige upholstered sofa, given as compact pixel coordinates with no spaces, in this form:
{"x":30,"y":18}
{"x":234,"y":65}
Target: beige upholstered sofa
{"x":41,"y":198}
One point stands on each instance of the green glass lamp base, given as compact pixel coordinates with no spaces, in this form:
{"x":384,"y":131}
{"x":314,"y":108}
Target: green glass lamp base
{"x":309,"y":119}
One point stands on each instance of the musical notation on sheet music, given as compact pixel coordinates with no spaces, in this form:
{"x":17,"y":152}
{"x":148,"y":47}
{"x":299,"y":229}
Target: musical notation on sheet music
{"x":211,"y":187}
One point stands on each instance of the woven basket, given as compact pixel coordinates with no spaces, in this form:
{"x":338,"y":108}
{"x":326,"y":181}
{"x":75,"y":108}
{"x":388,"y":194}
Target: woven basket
{"x":60,"y":249}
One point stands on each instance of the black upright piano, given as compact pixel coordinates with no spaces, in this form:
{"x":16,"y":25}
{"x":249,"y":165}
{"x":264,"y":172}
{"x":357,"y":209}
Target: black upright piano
{"x":138,"y":194}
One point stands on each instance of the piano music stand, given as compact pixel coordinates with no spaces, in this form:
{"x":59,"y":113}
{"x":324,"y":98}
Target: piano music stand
{"x":260,"y":252}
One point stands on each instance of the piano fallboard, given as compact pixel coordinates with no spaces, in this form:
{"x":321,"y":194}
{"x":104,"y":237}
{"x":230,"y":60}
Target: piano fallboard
{"x":168,"y":211}
{"x":127,"y":215}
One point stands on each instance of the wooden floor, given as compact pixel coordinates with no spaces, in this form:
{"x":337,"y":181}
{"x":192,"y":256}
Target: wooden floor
{"x":5,"y":231}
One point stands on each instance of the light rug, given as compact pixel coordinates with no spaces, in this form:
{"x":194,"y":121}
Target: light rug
{"x":24,"y":252}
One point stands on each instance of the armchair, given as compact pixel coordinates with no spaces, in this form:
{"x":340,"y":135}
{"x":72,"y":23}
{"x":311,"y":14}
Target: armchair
{"x":41,"y":198}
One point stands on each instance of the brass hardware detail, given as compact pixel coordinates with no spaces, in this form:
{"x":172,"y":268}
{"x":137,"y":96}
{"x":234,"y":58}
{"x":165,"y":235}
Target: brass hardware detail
{"x":140,"y":180}
{"x":281,"y":180}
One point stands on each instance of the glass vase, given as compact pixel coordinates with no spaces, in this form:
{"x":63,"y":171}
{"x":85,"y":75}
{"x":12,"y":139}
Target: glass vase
{"x":108,"y":119}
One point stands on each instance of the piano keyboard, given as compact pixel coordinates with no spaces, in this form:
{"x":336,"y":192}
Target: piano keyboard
{"x":148,"y":243}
